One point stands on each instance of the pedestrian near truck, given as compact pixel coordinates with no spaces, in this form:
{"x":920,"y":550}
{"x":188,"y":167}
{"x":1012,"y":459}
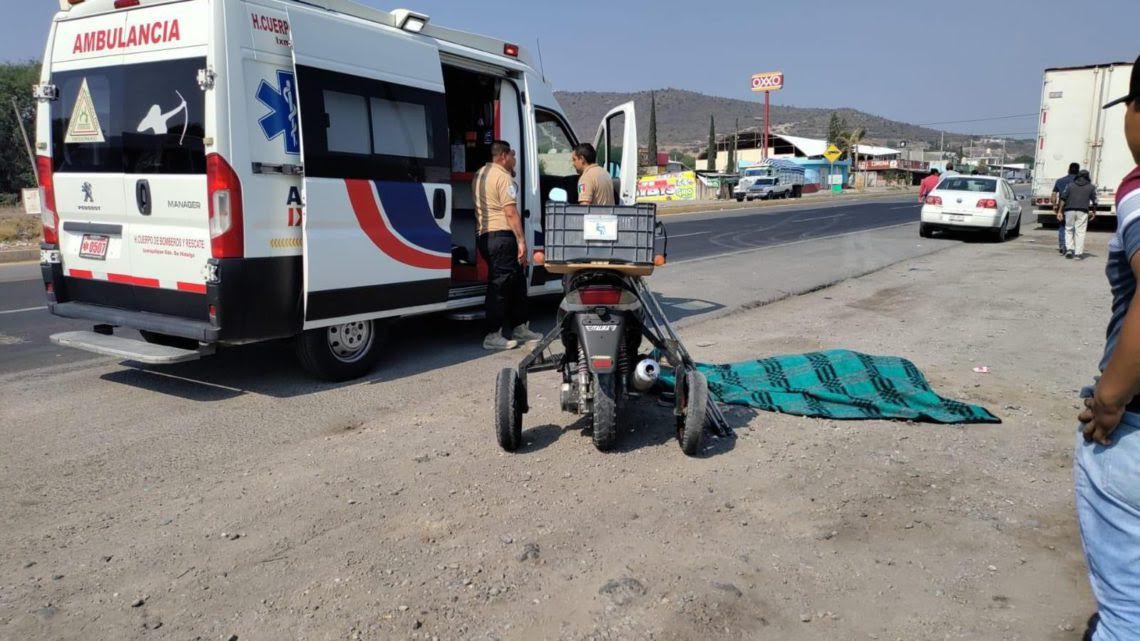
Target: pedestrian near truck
{"x":1079,"y":200}
{"x":503,"y":245}
{"x":1058,"y":188}
{"x":1106,"y":469}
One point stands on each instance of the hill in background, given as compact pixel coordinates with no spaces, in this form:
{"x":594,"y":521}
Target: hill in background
{"x":683,"y":119}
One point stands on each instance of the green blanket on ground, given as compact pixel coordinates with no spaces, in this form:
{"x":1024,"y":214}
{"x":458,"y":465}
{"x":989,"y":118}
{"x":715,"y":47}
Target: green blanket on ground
{"x":836,"y":384}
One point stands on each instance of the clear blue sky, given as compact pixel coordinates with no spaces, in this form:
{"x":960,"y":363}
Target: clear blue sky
{"x":920,"y":62}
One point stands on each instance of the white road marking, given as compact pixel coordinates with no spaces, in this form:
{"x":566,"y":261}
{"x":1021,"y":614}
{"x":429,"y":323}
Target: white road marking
{"x":20,"y":311}
{"x":696,"y":233}
{"x":906,"y":206}
{"x":808,"y":220}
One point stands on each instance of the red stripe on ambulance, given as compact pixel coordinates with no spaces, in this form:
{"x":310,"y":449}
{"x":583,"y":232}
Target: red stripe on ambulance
{"x":196,"y":288}
{"x":80,"y":273}
{"x":133,"y":280}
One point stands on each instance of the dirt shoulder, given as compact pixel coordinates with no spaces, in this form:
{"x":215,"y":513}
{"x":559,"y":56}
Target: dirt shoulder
{"x":148,"y":505}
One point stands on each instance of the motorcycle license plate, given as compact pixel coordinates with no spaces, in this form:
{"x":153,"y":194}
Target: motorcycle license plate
{"x":94,"y":246}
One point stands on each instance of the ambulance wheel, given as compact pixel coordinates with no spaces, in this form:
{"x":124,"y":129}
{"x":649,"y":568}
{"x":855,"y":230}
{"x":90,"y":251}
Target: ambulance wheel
{"x":166,"y":340}
{"x":508,"y":410}
{"x":691,"y":425}
{"x":342,"y":352}
{"x":604,"y":414}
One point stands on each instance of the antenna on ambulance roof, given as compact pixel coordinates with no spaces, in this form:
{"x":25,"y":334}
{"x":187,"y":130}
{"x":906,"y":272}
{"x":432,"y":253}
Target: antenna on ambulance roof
{"x":541,"y":67}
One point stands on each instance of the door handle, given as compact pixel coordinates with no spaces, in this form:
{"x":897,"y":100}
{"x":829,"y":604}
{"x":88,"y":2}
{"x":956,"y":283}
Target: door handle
{"x":439,"y":204}
{"x":142,"y":196}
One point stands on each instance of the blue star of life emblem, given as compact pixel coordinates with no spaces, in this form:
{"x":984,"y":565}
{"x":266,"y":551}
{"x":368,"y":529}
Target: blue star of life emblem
{"x":282,"y":117}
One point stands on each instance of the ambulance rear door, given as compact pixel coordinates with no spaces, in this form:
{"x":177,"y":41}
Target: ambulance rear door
{"x":616,"y":144}
{"x":377,"y":169}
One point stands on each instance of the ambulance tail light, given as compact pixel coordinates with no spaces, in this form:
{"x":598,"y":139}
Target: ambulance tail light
{"x":511,"y":50}
{"x":223,"y":189}
{"x":48,"y":216}
{"x":126,"y":4}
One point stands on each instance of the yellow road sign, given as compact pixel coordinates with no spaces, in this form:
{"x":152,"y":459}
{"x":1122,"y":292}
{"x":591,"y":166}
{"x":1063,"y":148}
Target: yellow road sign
{"x":832,"y":154}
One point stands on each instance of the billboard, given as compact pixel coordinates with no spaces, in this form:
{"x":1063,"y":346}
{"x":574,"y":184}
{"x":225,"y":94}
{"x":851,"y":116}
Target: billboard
{"x":680,"y":185}
{"x":768,"y":81}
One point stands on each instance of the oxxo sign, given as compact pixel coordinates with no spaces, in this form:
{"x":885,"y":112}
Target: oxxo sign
{"x":768,"y":81}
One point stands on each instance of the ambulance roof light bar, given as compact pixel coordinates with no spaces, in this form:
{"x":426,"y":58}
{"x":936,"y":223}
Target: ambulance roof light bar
{"x":409,"y":20}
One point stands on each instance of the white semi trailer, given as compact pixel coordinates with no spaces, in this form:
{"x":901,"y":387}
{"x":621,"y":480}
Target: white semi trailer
{"x":1073,"y":127}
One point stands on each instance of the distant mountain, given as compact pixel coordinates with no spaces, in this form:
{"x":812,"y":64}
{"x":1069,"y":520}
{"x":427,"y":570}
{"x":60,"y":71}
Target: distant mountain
{"x":683,"y":119}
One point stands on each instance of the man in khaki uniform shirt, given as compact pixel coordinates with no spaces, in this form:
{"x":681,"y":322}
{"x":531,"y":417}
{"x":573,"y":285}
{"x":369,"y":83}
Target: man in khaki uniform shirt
{"x":502,"y":243}
{"x":594,"y":185}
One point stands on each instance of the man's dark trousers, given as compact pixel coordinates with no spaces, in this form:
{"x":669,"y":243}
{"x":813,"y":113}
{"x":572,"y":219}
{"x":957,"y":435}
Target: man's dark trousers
{"x":506,"y":303}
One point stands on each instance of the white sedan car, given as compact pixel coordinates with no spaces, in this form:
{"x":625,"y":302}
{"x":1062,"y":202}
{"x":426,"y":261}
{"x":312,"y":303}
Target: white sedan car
{"x":972,"y":202}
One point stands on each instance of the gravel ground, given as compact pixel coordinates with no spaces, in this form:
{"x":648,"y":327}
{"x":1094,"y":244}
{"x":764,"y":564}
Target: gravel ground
{"x":236,"y":500}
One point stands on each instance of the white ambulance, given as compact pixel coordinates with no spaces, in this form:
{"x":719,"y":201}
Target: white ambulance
{"x":231,"y":171}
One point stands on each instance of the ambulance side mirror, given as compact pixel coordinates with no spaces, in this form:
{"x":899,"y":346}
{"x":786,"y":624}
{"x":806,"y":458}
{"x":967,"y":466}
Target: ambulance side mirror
{"x":558,"y":195}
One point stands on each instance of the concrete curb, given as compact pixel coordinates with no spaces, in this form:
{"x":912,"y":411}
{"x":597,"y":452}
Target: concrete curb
{"x":19,"y":255}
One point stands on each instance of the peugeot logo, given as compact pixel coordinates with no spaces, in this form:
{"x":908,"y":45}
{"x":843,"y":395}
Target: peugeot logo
{"x":87,"y":197}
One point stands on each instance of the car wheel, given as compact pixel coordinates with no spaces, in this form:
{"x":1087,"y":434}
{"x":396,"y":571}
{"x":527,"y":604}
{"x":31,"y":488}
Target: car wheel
{"x":342,"y":352}
{"x":1017,"y":227}
{"x":926,"y":231}
{"x":1001,"y":234}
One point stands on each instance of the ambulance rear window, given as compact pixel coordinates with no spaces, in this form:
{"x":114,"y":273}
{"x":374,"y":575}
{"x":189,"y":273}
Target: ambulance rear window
{"x":135,"y":119}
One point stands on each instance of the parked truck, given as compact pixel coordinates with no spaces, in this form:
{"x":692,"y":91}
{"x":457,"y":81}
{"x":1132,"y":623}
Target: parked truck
{"x":1074,"y":128}
{"x":772,"y":178}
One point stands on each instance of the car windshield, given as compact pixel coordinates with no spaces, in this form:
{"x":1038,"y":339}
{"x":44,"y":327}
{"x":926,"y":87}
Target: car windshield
{"x":764,"y":181}
{"x":754,"y":172}
{"x":968,"y":183}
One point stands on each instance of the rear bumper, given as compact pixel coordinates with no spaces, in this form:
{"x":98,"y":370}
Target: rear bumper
{"x":253,"y":299}
{"x":978,"y":221}
{"x":200,"y":331}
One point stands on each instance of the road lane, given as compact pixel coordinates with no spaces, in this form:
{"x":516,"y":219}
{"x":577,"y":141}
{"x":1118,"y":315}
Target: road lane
{"x":25,"y":325}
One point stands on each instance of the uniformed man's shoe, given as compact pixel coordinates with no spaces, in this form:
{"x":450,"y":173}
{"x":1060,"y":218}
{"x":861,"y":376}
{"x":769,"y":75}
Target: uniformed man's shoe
{"x":495,"y":341}
{"x":523,"y":334}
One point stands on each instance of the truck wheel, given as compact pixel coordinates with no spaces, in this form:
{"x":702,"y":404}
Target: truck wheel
{"x":691,"y":426}
{"x":604,"y":413}
{"x":508,"y":410}
{"x":740,"y":199}
{"x":154,"y":338}
{"x":342,"y":352}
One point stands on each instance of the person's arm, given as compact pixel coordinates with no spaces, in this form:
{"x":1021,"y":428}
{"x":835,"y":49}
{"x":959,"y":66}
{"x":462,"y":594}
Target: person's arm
{"x":585,"y":191}
{"x":1120,"y":380}
{"x":514,"y":221}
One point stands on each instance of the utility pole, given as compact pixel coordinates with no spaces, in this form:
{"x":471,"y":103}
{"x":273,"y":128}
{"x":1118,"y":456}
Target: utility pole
{"x":27,"y":143}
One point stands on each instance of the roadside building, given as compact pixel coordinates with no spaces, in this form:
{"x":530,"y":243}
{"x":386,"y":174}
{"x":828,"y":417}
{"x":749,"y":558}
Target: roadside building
{"x":806,"y":152}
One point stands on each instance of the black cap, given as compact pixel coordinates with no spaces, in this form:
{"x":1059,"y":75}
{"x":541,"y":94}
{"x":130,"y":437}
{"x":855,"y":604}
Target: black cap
{"x":1133,"y":86}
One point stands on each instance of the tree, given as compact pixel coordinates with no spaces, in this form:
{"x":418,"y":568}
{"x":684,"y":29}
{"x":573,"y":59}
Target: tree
{"x":712,"y":145}
{"x":1023,"y":159}
{"x":835,"y":128}
{"x":16,"y":80}
{"x":848,"y":142}
{"x":652,"y":129}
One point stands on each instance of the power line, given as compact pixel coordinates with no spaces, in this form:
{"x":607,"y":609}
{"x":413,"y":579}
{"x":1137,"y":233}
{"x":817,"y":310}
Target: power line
{"x":954,"y":122}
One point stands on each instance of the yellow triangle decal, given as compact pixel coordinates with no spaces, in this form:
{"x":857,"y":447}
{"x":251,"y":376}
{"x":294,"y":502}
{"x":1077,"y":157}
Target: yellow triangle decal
{"x":84,"y":126}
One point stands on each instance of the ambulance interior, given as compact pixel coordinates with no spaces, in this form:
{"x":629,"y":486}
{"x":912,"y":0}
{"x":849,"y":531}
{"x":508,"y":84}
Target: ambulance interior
{"x":472,"y":102}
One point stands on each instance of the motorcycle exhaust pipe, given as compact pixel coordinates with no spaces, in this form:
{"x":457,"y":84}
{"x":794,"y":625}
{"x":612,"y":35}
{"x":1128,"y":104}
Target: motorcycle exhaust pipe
{"x":645,"y":375}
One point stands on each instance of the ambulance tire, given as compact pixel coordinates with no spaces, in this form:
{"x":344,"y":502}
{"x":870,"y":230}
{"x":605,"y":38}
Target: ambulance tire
{"x":342,"y":352}
{"x":604,"y":414}
{"x":691,"y":426}
{"x":166,"y":340}
{"x":508,"y":410}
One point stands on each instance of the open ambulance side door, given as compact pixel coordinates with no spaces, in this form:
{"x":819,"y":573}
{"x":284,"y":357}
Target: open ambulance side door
{"x":616,"y":144}
{"x":377,"y":169}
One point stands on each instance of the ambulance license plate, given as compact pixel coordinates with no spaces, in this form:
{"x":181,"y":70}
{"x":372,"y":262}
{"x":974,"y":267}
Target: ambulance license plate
{"x":94,"y":246}
{"x":600,"y":227}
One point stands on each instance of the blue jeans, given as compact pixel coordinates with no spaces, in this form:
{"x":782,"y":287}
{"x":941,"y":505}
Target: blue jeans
{"x":1108,"y":508}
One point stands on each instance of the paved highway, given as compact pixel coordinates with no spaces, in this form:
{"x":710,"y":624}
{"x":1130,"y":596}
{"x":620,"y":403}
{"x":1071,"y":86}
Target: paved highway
{"x":25,"y":324}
